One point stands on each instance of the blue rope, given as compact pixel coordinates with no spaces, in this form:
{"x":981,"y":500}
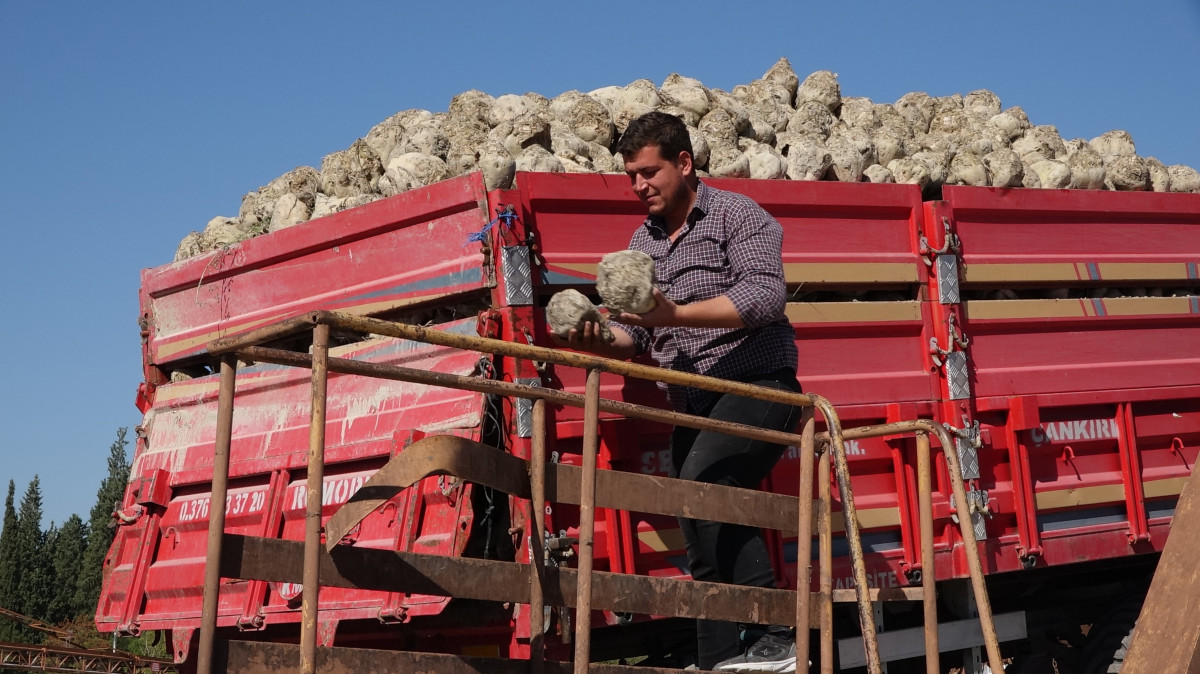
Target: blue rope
{"x":507,"y":216}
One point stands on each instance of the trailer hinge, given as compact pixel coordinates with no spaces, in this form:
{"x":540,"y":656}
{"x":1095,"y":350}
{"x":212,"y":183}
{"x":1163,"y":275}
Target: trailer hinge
{"x":252,"y":623}
{"x":954,"y":359}
{"x":944,"y":260}
{"x":392,"y":615}
{"x":557,"y":550}
{"x":951,"y":245}
{"x":489,"y":264}
{"x":538,"y":365}
{"x":967,"y":442}
{"x":489,"y":323}
{"x":506,"y":216}
{"x":128,"y":516}
{"x":977,"y":506}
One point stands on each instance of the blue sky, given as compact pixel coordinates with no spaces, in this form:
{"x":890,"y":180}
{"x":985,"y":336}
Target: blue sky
{"x":124,"y":126}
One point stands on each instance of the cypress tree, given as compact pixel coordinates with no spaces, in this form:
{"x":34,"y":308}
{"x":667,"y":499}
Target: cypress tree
{"x":9,"y":565}
{"x":33,"y":583}
{"x":66,"y":555}
{"x":31,"y":573}
{"x":100,"y":532}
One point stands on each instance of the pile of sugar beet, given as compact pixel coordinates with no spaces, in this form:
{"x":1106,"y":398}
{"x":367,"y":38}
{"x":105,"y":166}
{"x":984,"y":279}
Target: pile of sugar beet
{"x":776,"y":127}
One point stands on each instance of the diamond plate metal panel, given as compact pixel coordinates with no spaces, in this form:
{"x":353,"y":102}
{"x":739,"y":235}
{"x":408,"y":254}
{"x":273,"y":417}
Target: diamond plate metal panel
{"x":956,"y":375}
{"x":947,"y":271}
{"x":968,"y":459}
{"x":978,"y":519}
{"x":980,"y":524}
{"x":518,"y":276}
{"x":525,"y":409}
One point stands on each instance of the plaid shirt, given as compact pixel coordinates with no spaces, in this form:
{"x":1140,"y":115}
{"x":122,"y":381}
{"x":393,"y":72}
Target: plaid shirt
{"x":728,"y":246}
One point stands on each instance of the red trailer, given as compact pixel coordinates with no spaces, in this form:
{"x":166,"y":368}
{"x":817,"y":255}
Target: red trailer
{"x":1056,"y":332}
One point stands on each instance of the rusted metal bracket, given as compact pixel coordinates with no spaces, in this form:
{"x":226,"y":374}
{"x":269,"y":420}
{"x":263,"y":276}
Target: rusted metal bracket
{"x":479,"y":463}
{"x":278,"y":560}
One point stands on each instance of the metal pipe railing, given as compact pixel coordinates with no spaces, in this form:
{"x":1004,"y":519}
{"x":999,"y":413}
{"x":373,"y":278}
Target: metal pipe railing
{"x":537,"y":517}
{"x":928,"y":575}
{"x":587,"y":521}
{"x":216,"y":514}
{"x":825,"y":560}
{"x":315,"y":488}
{"x":804,"y":541}
{"x":497,"y":347}
{"x":966,"y":527}
{"x":830,"y":461}
{"x":833,"y":435}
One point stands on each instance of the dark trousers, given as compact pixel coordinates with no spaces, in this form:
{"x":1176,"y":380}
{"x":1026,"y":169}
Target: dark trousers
{"x":727,"y":553}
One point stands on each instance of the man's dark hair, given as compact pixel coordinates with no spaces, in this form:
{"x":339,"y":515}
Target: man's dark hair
{"x":666,"y":131}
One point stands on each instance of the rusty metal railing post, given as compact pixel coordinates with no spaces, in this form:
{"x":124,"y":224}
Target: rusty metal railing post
{"x":966,"y":526}
{"x":928,"y":574}
{"x":587,"y":521}
{"x":537,"y":519}
{"x":315,"y":486}
{"x":804,"y":542}
{"x":974,"y":565}
{"x":216,"y":514}
{"x":866,"y":618}
{"x":825,"y":555}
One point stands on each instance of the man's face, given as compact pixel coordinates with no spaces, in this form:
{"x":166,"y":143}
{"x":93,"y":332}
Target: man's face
{"x":660,"y":183}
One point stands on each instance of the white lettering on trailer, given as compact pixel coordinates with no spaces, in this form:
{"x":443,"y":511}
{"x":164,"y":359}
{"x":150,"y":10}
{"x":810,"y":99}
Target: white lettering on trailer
{"x":656,"y":462}
{"x":337,"y":491}
{"x":1077,"y":430}
{"x":852,"y":449}
{"x":236,"y":503}
{"x":881,"y":579}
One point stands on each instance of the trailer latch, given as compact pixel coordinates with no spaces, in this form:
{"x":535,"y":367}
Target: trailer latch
{"x":129,"y":515}
{"x":951,"y":244}
{"x":977,"y":509}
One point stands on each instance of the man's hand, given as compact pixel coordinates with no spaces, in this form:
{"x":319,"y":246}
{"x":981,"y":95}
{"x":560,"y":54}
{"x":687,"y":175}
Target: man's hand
{"x":717,"y":312}
{"x":583,"y":340}
{"x":588,"y":339}
{"x":665,"y":313}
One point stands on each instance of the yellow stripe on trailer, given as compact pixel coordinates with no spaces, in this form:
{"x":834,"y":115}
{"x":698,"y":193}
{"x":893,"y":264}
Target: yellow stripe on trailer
{"x":991,"y":272}
{"x":850,"y":272}
{"x":1079,"y":308}
{"x":853,"y":312}
{"x":1108,"y":493}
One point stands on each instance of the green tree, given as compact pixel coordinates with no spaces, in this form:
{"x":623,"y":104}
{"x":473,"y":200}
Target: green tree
{"x":9,"y":565}
{"x":100,"y":531}
{"x":33,"y":583}
{"x":66,"y":548}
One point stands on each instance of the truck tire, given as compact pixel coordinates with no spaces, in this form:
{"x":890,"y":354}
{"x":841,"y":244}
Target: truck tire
{"x":1108,"y":640}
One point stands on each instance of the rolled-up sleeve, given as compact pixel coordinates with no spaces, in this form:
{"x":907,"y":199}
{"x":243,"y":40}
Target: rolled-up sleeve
{"x":639,"y":334}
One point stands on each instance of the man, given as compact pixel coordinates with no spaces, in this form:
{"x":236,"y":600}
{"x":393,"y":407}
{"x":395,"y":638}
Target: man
{"x":720,"y":299}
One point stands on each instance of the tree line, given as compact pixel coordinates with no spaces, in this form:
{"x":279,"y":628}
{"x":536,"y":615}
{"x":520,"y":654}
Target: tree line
{"x":54,"y":574}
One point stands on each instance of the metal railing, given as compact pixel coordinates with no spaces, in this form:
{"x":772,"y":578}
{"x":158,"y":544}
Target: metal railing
{"x":321,"y":364}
